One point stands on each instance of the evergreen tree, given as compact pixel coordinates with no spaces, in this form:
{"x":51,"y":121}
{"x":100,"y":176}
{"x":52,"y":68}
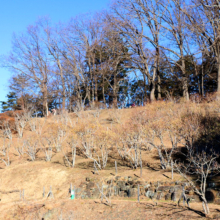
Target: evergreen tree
{"x":11,"y":103}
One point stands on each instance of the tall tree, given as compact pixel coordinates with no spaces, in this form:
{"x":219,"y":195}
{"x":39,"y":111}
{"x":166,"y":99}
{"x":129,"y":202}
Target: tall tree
{"x":29,"y":58}
{"x":139,"y":23}
{"x":11,"y":103}
{"x":203,"y":19}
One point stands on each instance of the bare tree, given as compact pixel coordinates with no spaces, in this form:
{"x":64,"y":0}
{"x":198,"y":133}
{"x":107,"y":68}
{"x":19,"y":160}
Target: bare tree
{"x":47,"y":147}
{"x":204,"y":22}
{"x":7,"y":131}
{"x":31,"y":149}
{"x":140,"y":23}
{"x":20,"y":122}
{"x":59,"y":138}
{"x":94,"y":148}
{"x":20,"y":147}
{"x":29,"y":58}
{"x":4,"y":151}
{"x":130,"y":149}
{"x":107,"y":194}
{"x":72,"y":147}
{"x":202,"y":165}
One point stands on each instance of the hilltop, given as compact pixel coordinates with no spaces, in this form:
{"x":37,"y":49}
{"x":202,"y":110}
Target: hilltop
{"x":60,"y":150}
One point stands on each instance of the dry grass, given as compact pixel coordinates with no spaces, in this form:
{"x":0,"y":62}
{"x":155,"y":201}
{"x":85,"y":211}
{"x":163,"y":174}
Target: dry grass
{"x":107,"y":125}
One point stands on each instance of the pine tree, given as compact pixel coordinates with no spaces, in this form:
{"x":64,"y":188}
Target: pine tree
{"x":11,"y":103}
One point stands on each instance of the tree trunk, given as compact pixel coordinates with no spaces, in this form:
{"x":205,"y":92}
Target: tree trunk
{"x":96,"y":90}
{"x":145,"y":89}
{"x":152,"y":91}
{"x":185,"y":89}
{"x":45,"y":104}
{"x":159,"y":87}
{"x":114,"y":96}
{"x":63,"y":93}
{"x":103,"y":90}
{"x":218,"y":78}
{"x":205,"y":206}
{"x":202,"y":85}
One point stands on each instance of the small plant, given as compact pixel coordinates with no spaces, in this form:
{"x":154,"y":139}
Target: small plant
{"x":4,"y":151}
{"x":31,"y":149}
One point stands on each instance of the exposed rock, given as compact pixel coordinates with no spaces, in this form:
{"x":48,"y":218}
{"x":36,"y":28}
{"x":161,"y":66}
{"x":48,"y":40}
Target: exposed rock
{"x":174,"y":196}
{"x":132,"y":192}
{"x":142,"y":190}
{"x":116,"y":190}
{"x":124,"y":188}
{"x":123,"y":194}
{"x":163,"y":188}
{"x":95,"y":193}
{"x":129,"y":178}
{"x":160,"y":195}
{"x":150,"y":194}
{"x":172,"y":189}
{"x":90,"y":185}
{"x":121,"y":184}
{"x":147,"y":186}
{"x":117,"y":178}
{"x":168,"y":196}
{"x":210,"y":195}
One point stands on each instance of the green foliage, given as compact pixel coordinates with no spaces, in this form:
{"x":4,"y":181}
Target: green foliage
{"x":11,"y":103}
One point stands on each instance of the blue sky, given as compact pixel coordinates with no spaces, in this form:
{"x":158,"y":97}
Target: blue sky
{"x":16,"y":15}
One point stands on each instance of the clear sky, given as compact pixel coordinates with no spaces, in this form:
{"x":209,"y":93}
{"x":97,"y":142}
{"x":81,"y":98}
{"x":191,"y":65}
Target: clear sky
{"x":16,"y":15}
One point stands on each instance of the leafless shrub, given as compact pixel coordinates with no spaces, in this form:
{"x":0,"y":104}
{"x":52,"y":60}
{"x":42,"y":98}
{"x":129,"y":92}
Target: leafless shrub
{"x":47,"y":148}
{"x":37,"y":125}
{"x":94,"y":145}
{"x":156,"y":126}
{"x":20,"y":147}
{"x":87,"y":142}
{"x":59,"y":139}
{"x":64,"y":118}
{"x":72,"y":148}
{"x":31,"y":149}
{"x":164,"y":153}
{"x":4,"y":151}
{"x":32,"y":123}
{"x":105,"y":194}
{"x":129,"y":142}
{"x":7,"y":132}
{"x":130,"y":148}
{"x":20,"y":122}
{"x":115,"y":115}
{"x":96,"y":113}
{"x":202,"y":165}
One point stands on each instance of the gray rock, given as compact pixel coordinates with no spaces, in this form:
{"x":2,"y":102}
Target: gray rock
{"x":121,"y":183}
{"x":147,"y":186}
{"x":173,"y":196}
{"x":123,"y":194}
{"x":172,"y":189}
{"x":132,"y":192}
{"x":90,"y":185}
{"x":124,"y":188}
{"x":117,"y":177}
{"x":163,"y":188}
{"x":168,"y":196}
{"x":160,"y":195}
{"x":129,"y":178}
{"x":116,"y":190}
{"x":149,"y":194}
